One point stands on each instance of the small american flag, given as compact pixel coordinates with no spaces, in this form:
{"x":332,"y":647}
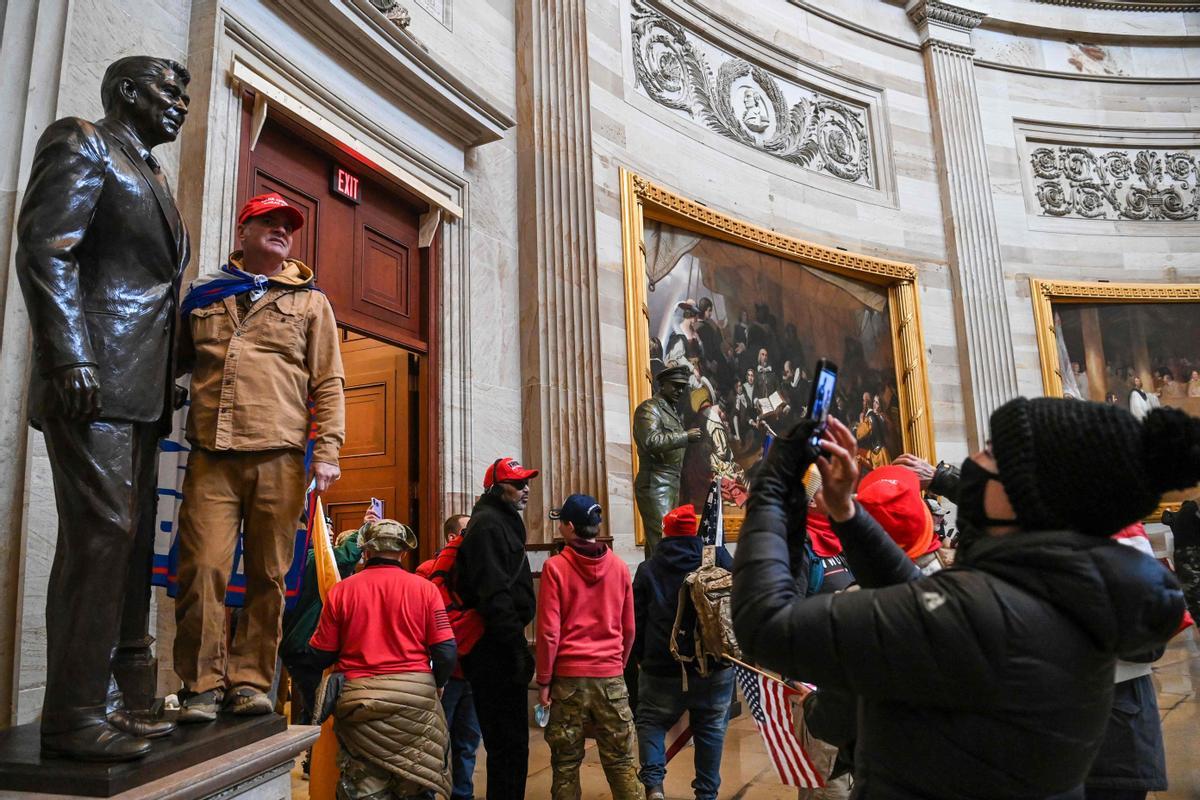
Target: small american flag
{"x":770,"y":705}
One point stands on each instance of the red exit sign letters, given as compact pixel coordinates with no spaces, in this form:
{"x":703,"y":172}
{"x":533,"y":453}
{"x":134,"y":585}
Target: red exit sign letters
{"x":347,"y":185}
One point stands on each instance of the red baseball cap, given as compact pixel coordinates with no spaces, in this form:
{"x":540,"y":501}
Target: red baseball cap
{"x":892,"y":495}
{"x":265,"y":204}
{"x":504,"y":470}
{"x":681,"y":521}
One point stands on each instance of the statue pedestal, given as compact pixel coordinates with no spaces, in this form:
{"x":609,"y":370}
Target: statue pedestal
{"x":231,"y":757}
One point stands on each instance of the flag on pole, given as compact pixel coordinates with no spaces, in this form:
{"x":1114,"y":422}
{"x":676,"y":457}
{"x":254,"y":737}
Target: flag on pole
{"x":770,"y":702}
{"x":678,"y":737}
{"x":712,"y":518}
{"x":323,"y":770}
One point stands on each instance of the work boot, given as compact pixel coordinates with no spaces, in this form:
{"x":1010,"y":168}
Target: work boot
{"x":141,"y":726}
{"x":198,"y":706}
{"x":96,"y":742}
{"x":249,"y":702}
{"x":655,"y":792}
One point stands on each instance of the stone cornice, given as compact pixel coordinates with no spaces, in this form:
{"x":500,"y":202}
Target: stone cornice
{"x":951,"y":16}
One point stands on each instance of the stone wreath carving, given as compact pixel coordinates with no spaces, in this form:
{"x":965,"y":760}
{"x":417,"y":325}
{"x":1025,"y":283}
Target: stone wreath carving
{"x":1074,"y":181}
{"x":746,"y":103}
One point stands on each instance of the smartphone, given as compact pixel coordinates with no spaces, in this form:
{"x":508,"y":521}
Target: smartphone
{"x":820,"y":402}
{"x":377,"y":507}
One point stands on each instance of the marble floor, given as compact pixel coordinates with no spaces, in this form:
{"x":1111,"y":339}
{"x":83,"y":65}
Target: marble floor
{"x":747,"y":773}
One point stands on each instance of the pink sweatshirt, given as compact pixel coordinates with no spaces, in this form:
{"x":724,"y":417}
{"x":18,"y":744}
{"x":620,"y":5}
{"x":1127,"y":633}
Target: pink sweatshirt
{"x":584,"y":617}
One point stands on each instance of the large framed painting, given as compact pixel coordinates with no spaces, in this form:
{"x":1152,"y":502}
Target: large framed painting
{"x":748,"y":311}
{"x":1134,"y":345}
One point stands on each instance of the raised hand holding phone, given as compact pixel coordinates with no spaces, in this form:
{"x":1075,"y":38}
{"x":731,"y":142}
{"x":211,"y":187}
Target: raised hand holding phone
{"x":838,"y":465}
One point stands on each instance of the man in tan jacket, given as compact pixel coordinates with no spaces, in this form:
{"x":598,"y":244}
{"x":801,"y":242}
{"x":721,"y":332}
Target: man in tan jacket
{"x":262,"y":346}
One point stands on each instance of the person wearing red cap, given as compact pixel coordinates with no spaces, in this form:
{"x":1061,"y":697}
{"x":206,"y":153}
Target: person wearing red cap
{"x":662,"y":698}
{"x":261,"y":344}
{"x":491,"y":574}
{"x":892,"y":495}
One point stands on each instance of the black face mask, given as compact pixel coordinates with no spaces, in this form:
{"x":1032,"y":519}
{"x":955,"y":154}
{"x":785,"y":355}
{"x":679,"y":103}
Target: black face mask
{"x":973,"y":519}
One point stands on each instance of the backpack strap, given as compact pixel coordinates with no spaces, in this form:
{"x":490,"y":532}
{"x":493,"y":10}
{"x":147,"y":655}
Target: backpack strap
{"x":708,"y":557}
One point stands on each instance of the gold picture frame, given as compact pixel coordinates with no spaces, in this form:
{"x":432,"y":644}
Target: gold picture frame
{"x":642,"y":199}
{"x":1046,"y":293}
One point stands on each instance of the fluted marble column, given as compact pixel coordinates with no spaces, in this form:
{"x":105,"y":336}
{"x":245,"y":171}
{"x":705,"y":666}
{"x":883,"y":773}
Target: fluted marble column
{"x":560,"y":319}
{"x":989,"y":371}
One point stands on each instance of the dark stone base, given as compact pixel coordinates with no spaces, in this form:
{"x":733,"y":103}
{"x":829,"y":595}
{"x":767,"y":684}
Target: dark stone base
{"x":22,"y":767}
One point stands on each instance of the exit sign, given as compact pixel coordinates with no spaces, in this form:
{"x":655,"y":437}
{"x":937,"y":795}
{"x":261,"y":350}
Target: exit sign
{"x":347,"y":185}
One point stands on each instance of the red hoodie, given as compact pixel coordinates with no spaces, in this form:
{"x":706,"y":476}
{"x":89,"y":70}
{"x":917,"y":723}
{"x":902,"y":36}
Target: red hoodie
{"x":584,"y":617}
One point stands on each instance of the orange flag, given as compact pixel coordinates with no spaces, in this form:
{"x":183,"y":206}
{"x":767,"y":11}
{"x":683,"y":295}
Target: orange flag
{"x":323,"y":770}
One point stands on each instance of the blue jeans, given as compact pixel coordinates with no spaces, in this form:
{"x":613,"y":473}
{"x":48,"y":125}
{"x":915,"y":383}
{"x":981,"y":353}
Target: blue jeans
{"x":459,"y":705}
{"x":661,"y":702}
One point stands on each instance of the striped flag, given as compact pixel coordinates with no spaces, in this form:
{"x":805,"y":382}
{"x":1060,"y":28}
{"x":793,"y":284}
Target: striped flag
{"x":770,"y":704}
{"x":323,"y":771}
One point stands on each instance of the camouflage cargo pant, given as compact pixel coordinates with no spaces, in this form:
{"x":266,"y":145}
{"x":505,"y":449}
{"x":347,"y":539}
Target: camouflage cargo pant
{"x":1187,"y":567}
{"x":602,"y":706}
{"x":362,"y":780}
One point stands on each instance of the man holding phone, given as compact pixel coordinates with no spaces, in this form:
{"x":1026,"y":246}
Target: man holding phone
{"x":661,"y":443}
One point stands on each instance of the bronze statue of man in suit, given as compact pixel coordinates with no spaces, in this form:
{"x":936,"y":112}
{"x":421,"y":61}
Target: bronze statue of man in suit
{"x":100,"y":252}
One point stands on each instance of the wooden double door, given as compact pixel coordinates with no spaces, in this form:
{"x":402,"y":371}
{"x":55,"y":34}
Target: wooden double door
{"x":367,"y":261}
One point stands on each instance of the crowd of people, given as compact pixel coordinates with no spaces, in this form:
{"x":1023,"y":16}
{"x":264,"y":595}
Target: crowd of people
{"x":1173,"y":384}
{"x":1018,"y":673}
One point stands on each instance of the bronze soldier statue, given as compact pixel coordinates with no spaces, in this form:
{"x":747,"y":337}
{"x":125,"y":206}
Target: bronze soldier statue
{"x":100,"y":252}
{"x":661,"y":441}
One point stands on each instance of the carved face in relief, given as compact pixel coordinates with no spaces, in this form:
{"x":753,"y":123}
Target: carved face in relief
{"x":756,"y":114}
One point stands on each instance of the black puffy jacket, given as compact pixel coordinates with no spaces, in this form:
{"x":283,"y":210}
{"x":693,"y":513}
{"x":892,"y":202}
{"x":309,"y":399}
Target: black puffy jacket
{"x":992,"y":679}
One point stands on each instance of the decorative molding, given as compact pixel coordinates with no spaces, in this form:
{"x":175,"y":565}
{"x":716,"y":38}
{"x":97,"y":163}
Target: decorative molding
{"x":1177,"y":6}
{"x":949,"y":48}
{"x":1135,"y":184}
{"x":753,"y":106}
{"x":951,"y":16}
{"x":396,"y":14}
{"x":363,"y":36}
{"x":687,"y":213}
{"x":641,"y":200}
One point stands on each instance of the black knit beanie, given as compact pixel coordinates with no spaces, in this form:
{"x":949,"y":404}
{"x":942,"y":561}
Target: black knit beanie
{"x":1089,"y":467}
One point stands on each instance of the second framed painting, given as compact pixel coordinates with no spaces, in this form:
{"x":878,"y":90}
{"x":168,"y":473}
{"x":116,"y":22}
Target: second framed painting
{"x":1133,"y":345}
{"x":748,"y":311}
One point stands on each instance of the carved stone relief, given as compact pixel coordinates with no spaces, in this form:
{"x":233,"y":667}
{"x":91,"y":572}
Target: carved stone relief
{"x":746,"y":103}
{"x":1129,"y":183}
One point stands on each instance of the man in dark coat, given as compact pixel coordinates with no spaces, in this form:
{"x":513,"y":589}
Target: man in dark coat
{"x":993,"y":679}
{"x":492,"y":576}
{"x":662,"y":698}
{"x":100,"y":251}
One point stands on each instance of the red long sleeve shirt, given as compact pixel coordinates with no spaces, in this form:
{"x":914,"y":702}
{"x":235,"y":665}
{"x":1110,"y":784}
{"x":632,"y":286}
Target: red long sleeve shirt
{"x":584,"y":617}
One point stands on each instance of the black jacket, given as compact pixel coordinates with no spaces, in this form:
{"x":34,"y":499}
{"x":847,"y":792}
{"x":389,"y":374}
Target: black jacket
{"x":491,"y":572}
{"x":100,"y":250}
{"x":992,"y":679}
{"x":656,"y":598}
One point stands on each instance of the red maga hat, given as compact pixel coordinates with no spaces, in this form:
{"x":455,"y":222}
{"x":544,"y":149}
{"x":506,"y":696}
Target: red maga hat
{"x":681,"y":521}
{"x":892,"y":495}
{"x":504,"y":470}
{"x":265,"y":204}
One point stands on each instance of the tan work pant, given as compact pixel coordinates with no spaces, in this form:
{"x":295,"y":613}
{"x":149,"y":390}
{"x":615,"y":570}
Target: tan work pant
{"x":221,"y":491}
